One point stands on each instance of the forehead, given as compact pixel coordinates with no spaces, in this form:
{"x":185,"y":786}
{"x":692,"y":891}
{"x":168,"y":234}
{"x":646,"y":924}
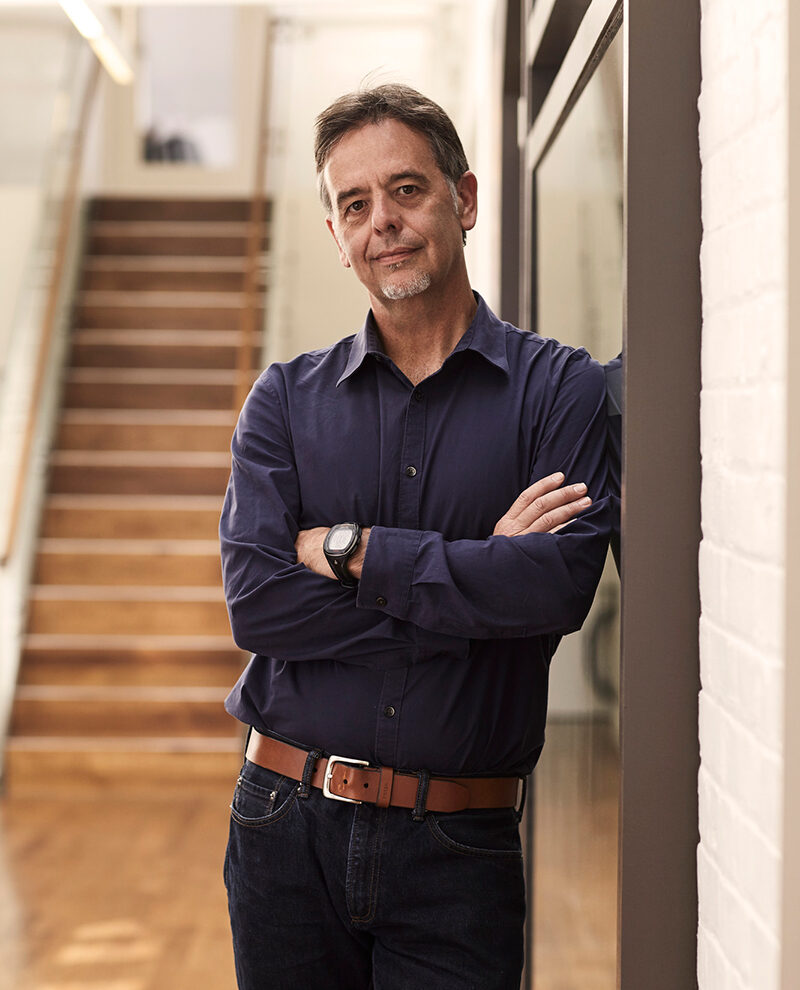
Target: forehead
{"x":374,"y":152}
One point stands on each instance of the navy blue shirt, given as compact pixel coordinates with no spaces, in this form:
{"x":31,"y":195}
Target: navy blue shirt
{"x":439,"y":659}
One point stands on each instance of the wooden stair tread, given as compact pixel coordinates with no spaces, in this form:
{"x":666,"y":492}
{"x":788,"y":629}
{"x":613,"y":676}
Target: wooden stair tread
{"x":143,"y":744}
{"x":90,"y":545}
{"x":180,"y":298}
{"x":127,"y":693}
{"x":142,"y":458}
{"x":164,"y":262}
{"x":173,"y":228}
{"x":156,"y":376}
{"x":171,"y":417}
{"x":127,"y":642}
{"x":167,"y":376}
{"x":157,"y":338}
{"x":166,"y":503}
{"x":124,"y":593}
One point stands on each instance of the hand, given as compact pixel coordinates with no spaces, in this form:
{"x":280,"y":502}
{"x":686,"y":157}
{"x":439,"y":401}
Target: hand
{"x":309,"y":552}
{"x":543,"y":508}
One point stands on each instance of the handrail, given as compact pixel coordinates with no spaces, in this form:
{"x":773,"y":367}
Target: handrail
{"x":65,"y":222}
{"x":255,"y":237}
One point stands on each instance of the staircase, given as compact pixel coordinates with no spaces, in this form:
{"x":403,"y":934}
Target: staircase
{"x":128,"y":655}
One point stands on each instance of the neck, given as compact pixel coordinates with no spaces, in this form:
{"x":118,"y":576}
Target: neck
{"x":420,"y":332}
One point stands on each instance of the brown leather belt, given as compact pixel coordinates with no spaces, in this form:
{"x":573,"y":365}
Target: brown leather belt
{"x":344,"y":779}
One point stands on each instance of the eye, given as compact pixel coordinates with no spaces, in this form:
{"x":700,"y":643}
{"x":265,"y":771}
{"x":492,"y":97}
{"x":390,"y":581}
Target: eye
{"x":355,"y":207}
{"x":408,"y":189}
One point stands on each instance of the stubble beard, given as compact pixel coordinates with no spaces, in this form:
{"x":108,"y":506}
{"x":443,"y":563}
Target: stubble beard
{"x":414,"y":285}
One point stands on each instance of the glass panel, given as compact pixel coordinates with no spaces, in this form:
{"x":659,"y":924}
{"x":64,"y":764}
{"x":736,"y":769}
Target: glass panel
{"x":39,"y":98}
{"x":572,"y":823}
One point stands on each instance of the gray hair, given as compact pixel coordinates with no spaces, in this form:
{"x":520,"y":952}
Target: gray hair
{"x":392,"y":101}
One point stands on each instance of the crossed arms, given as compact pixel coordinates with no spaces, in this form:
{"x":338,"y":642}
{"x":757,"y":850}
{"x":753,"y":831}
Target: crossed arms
{"x":420,"y":595}
{"x":541,"y":508}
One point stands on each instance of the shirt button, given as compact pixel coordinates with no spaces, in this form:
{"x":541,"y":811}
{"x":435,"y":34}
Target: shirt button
{"x":389,"y":711}
{"x":411,"y":471}
{"x":380,"y":600}
{"x":418,"y":396}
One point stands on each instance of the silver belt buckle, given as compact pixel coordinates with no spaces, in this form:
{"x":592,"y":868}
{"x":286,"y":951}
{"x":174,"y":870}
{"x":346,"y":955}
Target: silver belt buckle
{"x":326,"y":784}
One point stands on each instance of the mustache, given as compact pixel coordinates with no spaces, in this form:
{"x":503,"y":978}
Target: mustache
{"x":394,"y":248}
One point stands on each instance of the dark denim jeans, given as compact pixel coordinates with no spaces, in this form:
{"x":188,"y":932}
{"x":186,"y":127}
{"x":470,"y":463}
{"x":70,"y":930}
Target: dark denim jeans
{"x":331,"y":896}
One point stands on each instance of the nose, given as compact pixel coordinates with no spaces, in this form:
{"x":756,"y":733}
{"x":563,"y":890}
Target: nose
{"x":385,"y":214}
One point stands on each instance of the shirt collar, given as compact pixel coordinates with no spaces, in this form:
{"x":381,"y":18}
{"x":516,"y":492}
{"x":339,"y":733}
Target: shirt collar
{"x":484,"y":335}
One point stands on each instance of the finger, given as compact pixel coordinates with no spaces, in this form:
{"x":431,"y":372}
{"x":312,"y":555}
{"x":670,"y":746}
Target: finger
{"x":551,"y":500}
{"x":534,"y":491}
{"x":555,"y":518}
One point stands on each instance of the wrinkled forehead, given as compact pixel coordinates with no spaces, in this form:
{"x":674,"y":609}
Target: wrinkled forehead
{"x":375,"y":154}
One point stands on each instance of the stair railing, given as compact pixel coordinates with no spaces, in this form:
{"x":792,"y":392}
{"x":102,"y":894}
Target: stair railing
{"x":55,"y":285}
{"x":250,"y":328}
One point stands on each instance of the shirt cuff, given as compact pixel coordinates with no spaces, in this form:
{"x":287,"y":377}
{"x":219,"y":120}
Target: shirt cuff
{"x":388,"y":569}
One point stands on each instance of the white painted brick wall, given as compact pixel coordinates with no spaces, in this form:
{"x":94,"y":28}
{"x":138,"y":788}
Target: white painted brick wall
{"x":743,"y":146}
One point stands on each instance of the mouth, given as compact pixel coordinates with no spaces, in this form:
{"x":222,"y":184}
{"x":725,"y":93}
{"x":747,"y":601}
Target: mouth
{"x":395,"y":256}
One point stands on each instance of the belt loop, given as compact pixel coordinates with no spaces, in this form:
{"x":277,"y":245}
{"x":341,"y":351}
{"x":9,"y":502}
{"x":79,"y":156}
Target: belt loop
{"x":519,"y":810}
{"x":418,"y":814}
{"x":305,"y":784}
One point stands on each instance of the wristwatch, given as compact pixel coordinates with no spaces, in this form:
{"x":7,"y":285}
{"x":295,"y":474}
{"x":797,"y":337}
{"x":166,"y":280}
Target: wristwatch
{"x":340,"y":544}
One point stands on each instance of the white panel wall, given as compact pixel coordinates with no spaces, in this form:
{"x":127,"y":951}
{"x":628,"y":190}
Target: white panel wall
{"x":743,"y":145}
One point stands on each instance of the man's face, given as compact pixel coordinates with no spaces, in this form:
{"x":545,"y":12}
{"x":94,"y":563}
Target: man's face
{"x":394,"y":216}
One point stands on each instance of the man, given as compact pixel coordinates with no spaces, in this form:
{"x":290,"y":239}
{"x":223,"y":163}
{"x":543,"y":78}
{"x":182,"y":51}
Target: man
{"x":401,"y":615}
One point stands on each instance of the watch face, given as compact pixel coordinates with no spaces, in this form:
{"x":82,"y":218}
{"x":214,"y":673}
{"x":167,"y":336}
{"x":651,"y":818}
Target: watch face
{"x":340,"y":539}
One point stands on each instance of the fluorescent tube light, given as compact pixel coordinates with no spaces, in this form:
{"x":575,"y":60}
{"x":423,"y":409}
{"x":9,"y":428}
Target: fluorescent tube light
{"x":84,"y":19}
{"x":104,"y":39}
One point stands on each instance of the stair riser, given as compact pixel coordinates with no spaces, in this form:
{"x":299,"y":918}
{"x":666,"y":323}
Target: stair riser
{"x":162,"y":281}
{"x":138,"y":480}
{"x":127,"y":524}
{"x":128,"y":569}
{"x":131,"y":669}
{"x":125,"y":436}
{"x":203,"y":210}
{"x":169,"y":356}
{"x":115,"y":395}
{"x":197,"y":245}
{"x":168,"y":618}
{"x":118,"y":718}
{"x":105,"y":317}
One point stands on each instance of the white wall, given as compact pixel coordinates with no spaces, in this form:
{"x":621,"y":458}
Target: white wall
{"x":743,"y":145}
{"x":19,"y":208}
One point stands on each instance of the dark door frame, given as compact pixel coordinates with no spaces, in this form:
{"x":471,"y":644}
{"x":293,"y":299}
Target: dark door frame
{"x":659,"y":681}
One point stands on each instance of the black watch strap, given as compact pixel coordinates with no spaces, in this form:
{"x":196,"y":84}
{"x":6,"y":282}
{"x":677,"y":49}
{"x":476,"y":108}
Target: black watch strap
{"x":341,"y":542}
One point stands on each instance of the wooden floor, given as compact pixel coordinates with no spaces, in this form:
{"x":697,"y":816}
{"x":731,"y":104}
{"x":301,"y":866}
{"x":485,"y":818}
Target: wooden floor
{"x":128,"y":895}
{"x":575,"y":899}
{"x":114,"y":895}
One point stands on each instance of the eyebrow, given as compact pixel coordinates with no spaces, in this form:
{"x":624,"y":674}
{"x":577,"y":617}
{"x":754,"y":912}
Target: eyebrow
{"x":417,"y":177}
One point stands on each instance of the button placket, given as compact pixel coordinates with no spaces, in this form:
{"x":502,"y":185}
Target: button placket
{"x":387,"y":729}
{"x":411,"y":462}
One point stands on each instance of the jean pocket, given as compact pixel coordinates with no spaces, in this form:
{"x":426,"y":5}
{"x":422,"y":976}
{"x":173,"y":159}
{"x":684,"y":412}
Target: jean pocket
{"x":492,"y":833}
{"x":261,"y":796}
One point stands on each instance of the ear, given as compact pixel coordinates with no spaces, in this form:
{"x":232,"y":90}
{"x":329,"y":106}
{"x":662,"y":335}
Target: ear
{"x":342,"y":256}
{"x":467,"y":191}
